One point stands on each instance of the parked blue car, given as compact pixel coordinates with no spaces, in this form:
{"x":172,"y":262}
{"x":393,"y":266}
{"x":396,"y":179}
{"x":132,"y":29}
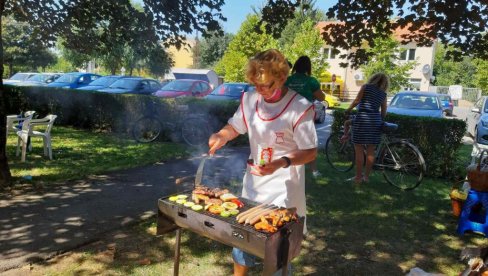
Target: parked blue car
{"x":74,"y":80}
{"x":100,"y":83}
{"x":478,"y":121}
{"x":414,"y":103}
{"x":133,"y":85}
{"x":230,"y":91}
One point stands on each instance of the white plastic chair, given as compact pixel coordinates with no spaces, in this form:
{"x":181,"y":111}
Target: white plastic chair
{"x":28,"y":131}
{"x":14,"y":120}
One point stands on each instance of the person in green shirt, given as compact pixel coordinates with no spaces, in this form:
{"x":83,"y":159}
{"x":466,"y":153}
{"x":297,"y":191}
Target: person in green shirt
{"x":304,"y":84}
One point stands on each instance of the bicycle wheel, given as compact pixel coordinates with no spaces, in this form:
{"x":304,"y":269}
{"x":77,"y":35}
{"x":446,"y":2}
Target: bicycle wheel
{"x":195,"y":131}
{"x":146,"y":129}
{"x":403,"y":165}
{"x":339,"y":155}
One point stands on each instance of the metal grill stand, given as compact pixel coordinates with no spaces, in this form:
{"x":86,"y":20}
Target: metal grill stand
{"x":176,"y":263}
{"x":285,"y":246}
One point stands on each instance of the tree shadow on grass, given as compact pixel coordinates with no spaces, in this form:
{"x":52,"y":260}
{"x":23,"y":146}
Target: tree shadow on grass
{"x":40,"y":224}
{"x":379,"y":229}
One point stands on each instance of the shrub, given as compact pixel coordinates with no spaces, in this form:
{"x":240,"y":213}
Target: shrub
{"x":437,"y":139}
{"x":108,"y":112}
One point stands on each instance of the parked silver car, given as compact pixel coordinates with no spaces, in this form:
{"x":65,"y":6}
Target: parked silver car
{"x":42,"y":79}
{"x":478,"y":121}
{"x":18,"y":77}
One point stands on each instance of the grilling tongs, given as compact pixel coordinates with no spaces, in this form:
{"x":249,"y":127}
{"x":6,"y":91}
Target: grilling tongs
{"x":199,"y":175}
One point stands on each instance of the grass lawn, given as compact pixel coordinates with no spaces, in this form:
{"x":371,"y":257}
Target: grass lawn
{"x":344,"y":105}
{"x":78,"y":153}
{"x":374,"y":230}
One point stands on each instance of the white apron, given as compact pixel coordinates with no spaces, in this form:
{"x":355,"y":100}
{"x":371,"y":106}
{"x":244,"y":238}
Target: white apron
{"x":284,"y":126}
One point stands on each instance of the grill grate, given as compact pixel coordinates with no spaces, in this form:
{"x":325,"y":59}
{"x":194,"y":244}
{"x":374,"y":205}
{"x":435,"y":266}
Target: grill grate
{"x":248,"y":204}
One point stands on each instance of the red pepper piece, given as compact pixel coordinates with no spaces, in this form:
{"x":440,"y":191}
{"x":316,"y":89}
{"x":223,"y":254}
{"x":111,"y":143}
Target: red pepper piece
{"x":238,"y":202}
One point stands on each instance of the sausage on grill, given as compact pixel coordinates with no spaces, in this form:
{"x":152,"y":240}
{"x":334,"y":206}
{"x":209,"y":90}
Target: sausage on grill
{"x":245,"y":217}
{"x":256,"y":216}
{"x":245,"y":213}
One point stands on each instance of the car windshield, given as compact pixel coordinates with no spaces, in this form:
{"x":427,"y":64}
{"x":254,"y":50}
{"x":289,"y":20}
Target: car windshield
{"x":415,"y":102}
{"x":40,"y":77}
{"x":229,"y":90}
{"x":128,"y":84}
{"x":69,"y":78}
{"x":178,"y":86}
{"x":19,"y":76}
{"x":104,"y":81}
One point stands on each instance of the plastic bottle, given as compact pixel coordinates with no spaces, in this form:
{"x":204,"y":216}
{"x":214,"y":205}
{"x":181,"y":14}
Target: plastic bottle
{"x":466,"y":187}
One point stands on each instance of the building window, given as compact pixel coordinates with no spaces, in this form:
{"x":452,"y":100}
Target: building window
{"x":407,"y":54}
{"x":413,"y":85}
{"x":330,"y":53}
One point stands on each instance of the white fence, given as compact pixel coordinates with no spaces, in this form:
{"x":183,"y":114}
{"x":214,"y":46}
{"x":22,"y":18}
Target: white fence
{"x":468,"y":94}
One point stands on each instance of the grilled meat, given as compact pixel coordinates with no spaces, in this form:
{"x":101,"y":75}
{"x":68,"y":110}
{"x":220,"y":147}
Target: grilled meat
{"x":203,"y":191}
{"x":271,"y":221}
{"x":218,"y":192}
{"x":214,"y":201}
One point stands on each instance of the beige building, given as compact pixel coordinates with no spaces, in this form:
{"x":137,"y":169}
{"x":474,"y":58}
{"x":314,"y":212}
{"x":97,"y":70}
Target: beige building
{"x":353,"y":79}
{"x":183,"y":57}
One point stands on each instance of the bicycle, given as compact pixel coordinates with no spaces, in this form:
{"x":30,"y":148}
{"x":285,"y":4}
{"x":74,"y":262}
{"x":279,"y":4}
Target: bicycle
{"x":400,"y":161}
{"x":192,"y":128}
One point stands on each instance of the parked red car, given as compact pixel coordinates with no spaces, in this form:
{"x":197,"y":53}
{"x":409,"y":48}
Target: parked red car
{"x":184,"y":88}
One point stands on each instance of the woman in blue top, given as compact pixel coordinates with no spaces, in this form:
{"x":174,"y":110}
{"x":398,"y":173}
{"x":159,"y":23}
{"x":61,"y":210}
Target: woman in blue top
{"x":367,"y":123}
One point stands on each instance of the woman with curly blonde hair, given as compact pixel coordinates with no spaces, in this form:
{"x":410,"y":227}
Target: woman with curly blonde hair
{"x":282,"y":137}
{"x":366,"y":126}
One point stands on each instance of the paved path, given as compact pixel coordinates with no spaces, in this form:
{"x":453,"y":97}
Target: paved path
{"x":36,"y":226}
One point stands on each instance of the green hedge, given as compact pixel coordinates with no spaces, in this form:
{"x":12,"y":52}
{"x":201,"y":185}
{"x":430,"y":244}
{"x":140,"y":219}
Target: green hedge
{"x":438,"y":139}
{"x":108,"y":112}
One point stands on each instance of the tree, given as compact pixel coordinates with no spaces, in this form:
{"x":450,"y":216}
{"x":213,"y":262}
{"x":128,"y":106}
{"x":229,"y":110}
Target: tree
{"x":481,"y":77}
{"x":78,"y":21}
{"x":460,"y":23}
{"x":211,"y":49}
{"x":22,"y":48}
{"x":384,"y":59}
{"x":75,"y":58}
{"x":306,"y":11}
{"x":61,"y":65}
{"x":307,"y":42}
{"x":246,"y":43}
{"x":160,"y":62}
{"x":448,"y":72}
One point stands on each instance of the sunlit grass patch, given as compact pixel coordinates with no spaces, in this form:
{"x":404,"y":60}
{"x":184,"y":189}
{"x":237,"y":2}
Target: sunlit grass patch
{"x":78,"y":153}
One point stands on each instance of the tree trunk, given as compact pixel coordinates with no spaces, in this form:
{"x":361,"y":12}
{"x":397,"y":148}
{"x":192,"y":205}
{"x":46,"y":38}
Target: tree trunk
{"x":131,"y":70}
{"x":10,"y":67}
{"x":4,"y":169}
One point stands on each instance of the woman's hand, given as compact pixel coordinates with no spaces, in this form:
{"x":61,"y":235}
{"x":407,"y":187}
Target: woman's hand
{"x":267,"y":169}
{"x":215,"y":142}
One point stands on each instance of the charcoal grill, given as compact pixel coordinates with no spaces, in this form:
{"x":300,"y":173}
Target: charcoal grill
{"x":276,"y":249}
